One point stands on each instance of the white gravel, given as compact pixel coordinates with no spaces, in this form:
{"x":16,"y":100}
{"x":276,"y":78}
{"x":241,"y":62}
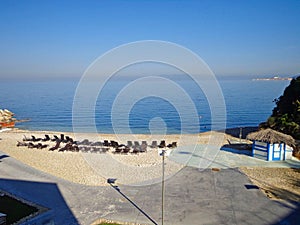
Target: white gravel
{"x":94,"y":168}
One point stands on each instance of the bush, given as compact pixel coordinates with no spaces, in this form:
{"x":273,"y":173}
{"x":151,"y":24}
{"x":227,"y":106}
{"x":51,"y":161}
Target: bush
{"x":286,"y":114}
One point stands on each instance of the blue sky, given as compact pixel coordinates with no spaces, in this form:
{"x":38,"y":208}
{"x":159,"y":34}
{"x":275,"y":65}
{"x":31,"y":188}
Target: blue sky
{"x":61,"y":38}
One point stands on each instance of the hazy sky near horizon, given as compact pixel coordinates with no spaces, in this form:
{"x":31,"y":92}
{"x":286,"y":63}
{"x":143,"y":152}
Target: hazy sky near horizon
{"x":62,"y":38}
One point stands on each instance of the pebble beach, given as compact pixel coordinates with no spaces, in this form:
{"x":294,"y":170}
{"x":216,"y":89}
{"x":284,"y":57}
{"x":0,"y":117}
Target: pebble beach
{"x":94,"y":168}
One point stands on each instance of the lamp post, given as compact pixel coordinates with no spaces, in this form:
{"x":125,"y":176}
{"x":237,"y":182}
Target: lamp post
{"x":163,"y":152}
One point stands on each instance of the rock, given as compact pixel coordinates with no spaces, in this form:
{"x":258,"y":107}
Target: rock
{"x":6,"y":111}
{"x":6,"y":116}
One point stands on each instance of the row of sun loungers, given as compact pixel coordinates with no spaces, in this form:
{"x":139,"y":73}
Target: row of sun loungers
{"x":85,"y":145}
{"x":62,"y":138}
{"x":31,"y":145}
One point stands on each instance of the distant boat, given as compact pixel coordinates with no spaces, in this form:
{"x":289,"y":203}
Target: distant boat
{"x":273,"y":78}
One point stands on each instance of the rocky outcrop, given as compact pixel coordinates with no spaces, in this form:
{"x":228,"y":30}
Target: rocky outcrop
{"x":6,"y":116}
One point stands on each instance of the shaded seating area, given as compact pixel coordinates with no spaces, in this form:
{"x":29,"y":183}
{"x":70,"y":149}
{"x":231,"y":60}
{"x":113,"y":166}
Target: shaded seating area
{"x":271,"y":145}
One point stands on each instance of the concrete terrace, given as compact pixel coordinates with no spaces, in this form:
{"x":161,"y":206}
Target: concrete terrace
{"x":192,"y":196}
{"x":204,"y":156}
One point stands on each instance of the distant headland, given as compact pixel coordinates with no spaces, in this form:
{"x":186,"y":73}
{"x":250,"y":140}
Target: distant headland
{"x":273,"y":78}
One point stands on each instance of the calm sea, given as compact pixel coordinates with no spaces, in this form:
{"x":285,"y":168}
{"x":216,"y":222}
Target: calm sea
{"x":48,"y":106}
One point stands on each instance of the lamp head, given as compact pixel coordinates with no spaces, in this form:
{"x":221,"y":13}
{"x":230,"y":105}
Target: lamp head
{"x":111,"y":180}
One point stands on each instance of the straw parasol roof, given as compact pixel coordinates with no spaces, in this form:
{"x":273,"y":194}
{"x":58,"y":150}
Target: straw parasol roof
{"x":271,"y":136}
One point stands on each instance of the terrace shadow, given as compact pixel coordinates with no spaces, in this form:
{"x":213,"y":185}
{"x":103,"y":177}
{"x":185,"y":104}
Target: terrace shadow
{"x":44,"y":194}
{"x":3,"y":157}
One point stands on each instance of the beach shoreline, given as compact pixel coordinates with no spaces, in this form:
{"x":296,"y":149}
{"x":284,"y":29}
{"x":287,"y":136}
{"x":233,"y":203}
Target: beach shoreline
{"x":83,"y":168}
{"x":93,"y":169}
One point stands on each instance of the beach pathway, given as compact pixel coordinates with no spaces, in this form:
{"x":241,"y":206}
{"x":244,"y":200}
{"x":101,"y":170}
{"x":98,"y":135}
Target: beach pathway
{"x":208,"y":156}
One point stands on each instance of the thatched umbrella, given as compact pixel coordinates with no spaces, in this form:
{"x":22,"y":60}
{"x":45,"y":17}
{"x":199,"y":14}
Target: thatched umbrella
{"x":271,"y":136}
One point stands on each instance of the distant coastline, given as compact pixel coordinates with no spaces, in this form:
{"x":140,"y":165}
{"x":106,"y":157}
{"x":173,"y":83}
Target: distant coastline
{"x":273,"y":78}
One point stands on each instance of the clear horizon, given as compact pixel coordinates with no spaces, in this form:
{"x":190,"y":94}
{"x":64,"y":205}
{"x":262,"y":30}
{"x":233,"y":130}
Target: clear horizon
{"x":53,"y":39}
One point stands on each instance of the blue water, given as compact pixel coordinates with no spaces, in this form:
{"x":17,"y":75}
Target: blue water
{"x":48,"y":105}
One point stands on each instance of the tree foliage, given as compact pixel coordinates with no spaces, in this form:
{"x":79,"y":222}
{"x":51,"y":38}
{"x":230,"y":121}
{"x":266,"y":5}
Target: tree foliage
{"x":286,"y":114}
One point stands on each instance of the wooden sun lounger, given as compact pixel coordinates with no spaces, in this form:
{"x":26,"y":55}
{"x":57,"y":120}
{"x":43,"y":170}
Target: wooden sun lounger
{"x":129,"y":144}
{"x":136,"y":150}
{"x":21,"y":144}
{"x":47,"y":138}
{"x":125,"y":150}
{"x":162,"y":144}
{"x":106,"y":143}
{"x":55,"y":138}
{"x":173,"y":145}
{"x":143,"y":148}
{"x":55,"y":147}
{"x":154,"y":144}
{"x":117,"y":150}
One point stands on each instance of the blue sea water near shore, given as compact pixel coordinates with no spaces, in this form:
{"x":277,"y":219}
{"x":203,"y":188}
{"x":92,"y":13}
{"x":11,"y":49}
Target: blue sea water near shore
{"x":48,"y":105}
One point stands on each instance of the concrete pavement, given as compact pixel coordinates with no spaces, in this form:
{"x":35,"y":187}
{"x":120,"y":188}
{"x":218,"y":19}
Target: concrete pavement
{"x":209,"y":156}
{"x":192,"y":196}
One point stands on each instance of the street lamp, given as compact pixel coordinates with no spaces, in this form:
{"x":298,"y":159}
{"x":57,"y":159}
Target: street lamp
{"x":162,"y":153}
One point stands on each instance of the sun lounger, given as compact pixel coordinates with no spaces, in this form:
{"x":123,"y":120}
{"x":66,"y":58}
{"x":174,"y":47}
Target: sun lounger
{"x":30,"y":145}
{"x":126,"y":150}
{"x":103,"y":150}
{"x":114,"y":144}
{"x":136,"y":150}
{"x":97,"y":143}
{"x":34,"y":139}
{"x":106,"y":143}
{"x":154,"y":144}
{"x":55,"y":147}
{"x":67,"y":139}
{"x":55,"y":138}
{"x":118,"y":150}
{"x":173,"y":145}
{"x":26,"y":138}
{"x":47,"y":138}
{"x":40,"y":146}
{"x":62,"y":137}
{"x":129,"y":144}
{"x":162,"y":144}
{"x":67,"y":147}
{"x":143,"y":148}
{"x":21,"y":144}
{"x":84,"y":142}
